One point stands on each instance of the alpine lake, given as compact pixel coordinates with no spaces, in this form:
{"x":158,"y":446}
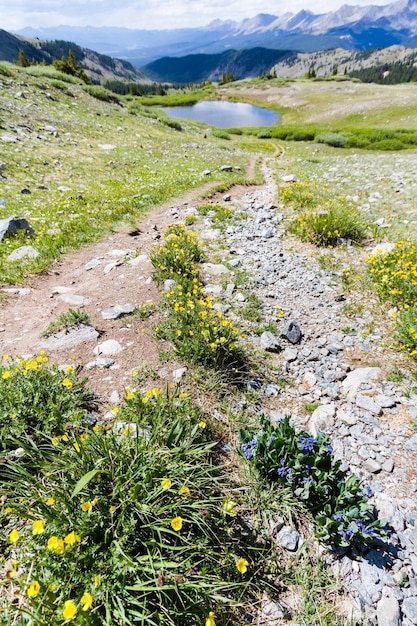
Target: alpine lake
{"x":222,"y":114}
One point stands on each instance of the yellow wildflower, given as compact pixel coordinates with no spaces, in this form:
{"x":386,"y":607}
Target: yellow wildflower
{"x":6,"y":375}
{"x":56,"y":545}
{"x":166,"y":483}
{"x":14,"y":536}
{"x":70,"y":610}
{"x":50,"y":501}
{"x":76,"y":446}
{"x":184,"y":491}
{"x":37,"y":527}
{"x":34,"y":589}
{"x":176,"y":523}
{"x":71,"y":538}
{"x":87,"y":506}
{"x":67,"y":383}
{"x":202,"y":424}
{"x":210,"y":621}
{"x":87,"y":601}
{"x":242,"y":565}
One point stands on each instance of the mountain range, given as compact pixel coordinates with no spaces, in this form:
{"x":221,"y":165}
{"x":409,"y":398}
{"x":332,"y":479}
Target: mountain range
{"x":349,"y":27}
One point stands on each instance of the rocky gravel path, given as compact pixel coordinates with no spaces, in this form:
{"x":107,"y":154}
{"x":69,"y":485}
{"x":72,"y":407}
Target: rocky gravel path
{"x":368,"y":416}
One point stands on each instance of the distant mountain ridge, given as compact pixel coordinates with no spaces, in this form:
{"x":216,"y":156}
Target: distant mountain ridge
{"x":349,"y":27}
{"x":199,"y":67}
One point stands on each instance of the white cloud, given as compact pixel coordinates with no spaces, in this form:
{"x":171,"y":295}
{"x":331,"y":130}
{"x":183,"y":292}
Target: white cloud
{"x":149,"y":14}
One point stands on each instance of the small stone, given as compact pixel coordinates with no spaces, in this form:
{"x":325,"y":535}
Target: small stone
{"x":409,"y":608}
{"x":117,"y":311}
{"x":288,"y":538}
{"x":115,"y":397}
{"x":214,"y":269}
{"x":372,"y":466}
{"x":169,"y":285}
{"x":309,"y":379}
{"x":359,"y":376}
{"x":289,"y":178}
{"x":69,"y":339}
{"x":92,"y":264}
{"x":226,"y":168}
{"x":388,"y":466}
{"x":366,"y":403}
{"x":322,"y":419}
{"x":206,"y":173}
{"x":292,"y":333}
{"x":269,"y":342}
{"x":290,"y":354}
{"x":24,"y":252}
{"x":411,"y":444}
{"x":73,"y":300}
{"x":178,"y":374}
{"x":12,"y":225}
{"x":102,"y":362}
{"x":110,"y":347}
{"x":227,"y":197}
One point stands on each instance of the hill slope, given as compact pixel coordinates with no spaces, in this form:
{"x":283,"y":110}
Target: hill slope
{"x":97,"y":66}
{"x":196,"y":67}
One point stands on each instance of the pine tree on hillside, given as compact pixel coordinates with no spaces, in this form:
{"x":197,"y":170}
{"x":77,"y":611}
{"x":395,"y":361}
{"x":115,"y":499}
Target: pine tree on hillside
{"x":69,"y":66}
{"x":22,"y":60}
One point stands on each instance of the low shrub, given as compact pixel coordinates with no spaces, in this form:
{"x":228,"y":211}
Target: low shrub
{"x":66,"y":320}
{"x":338,"y":502}
{"x":220,"y":134}
{"x":301,"y":194}
{"x":395,"y":274}
{"x":199,"y":333}
{"x":37,"y":400}
{"x":330,"y":227}
{"x":48,"y":71}
{"x":407,"y":330}
{"x":332,"y":139}
{"x":132,"y":525}
{"x":99,"y":92}
{"x":264,"y":133}
{"x":178,"y":257}
{"x":6,"y":69}
{"x":172,"y":124}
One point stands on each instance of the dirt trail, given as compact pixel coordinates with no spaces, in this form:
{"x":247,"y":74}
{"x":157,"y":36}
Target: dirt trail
{"x":29,"y":309}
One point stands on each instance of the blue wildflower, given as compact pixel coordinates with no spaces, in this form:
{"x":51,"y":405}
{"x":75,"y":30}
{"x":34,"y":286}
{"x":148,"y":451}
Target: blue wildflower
{"x":307,"y":443}
{"x":249,"y":448}
{"x":329,"y":449}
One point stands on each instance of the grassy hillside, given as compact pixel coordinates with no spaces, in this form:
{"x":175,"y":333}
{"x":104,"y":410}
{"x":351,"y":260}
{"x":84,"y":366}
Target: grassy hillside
{"x":103,"y":163}
{"x":97,"y":66}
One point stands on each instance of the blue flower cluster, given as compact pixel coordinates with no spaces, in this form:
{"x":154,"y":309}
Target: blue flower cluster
{"x":307,"y":443}
{"x":249,"y":448}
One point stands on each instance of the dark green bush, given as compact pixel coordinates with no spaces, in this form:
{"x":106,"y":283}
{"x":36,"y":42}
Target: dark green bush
{"x":332,"y":139}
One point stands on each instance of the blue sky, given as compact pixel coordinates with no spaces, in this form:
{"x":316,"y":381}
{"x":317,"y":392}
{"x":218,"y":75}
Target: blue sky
{"x":151,"y":14}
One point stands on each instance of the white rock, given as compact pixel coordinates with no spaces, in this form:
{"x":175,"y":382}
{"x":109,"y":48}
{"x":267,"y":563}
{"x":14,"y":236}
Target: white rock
{"x":382,"y":248}
{"x":214,"y":269}
{"x":73,"y":300}
{"x":110,"y":347}
{"x":322,"y":419}
{"x":177,"y":375}
{"x":289,"y":178}
{"x":24,"y":252}
{"x":354,"y":380}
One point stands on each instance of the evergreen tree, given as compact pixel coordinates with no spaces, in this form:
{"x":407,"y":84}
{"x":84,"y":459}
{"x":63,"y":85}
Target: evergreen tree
{"x":22,"y":60}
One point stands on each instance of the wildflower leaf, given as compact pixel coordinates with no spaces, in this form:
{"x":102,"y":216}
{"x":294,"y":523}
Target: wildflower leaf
{"x":84,"y":480}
